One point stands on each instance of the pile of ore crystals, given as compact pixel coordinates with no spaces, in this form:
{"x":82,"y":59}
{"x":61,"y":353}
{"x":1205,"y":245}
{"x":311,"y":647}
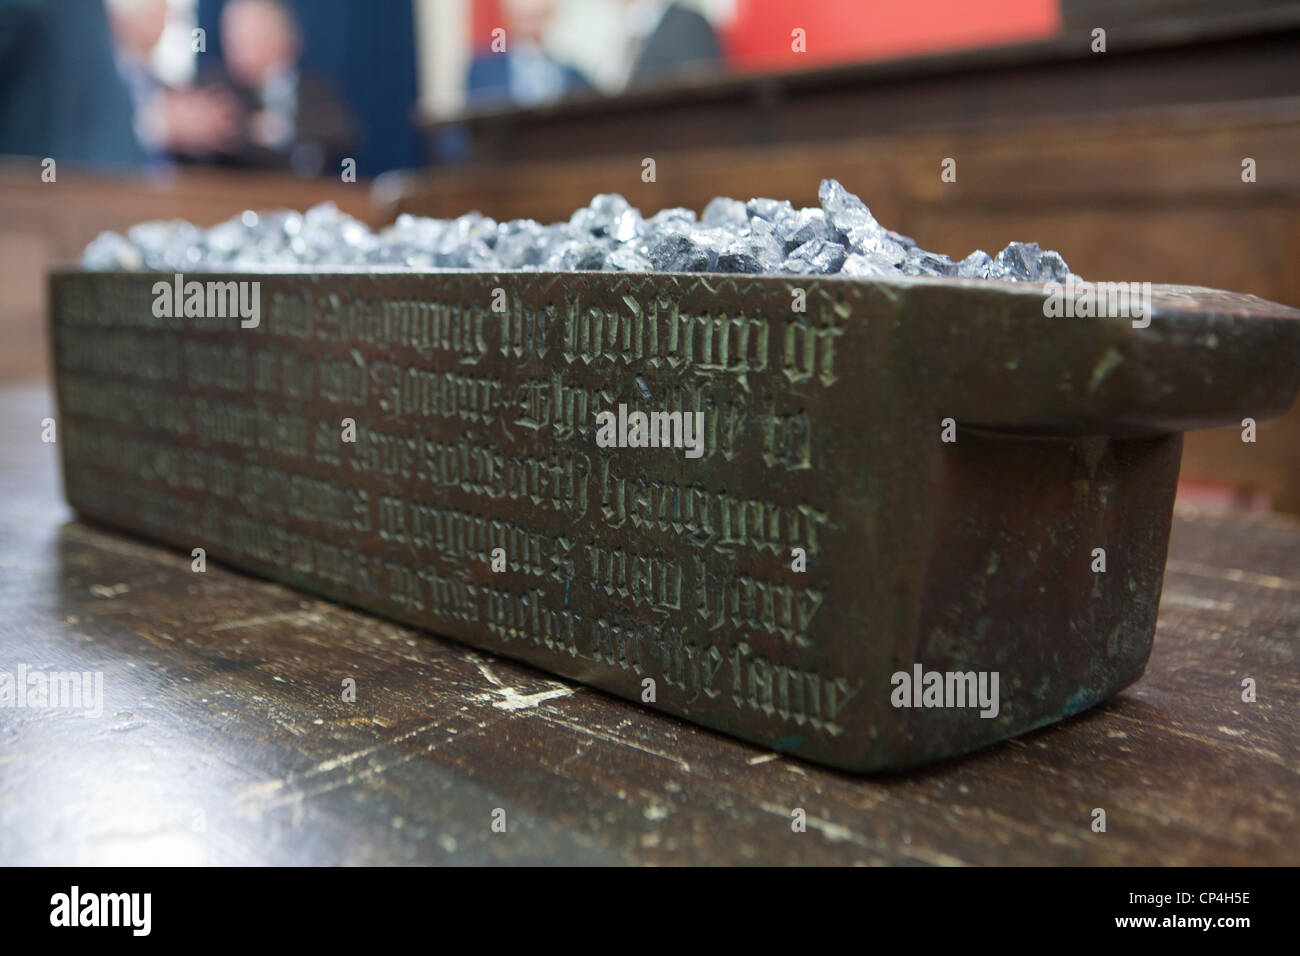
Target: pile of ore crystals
{"x":762,"y":236}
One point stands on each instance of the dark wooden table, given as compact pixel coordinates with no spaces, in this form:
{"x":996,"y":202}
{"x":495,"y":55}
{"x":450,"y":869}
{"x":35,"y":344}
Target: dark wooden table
{"x":224,"y":737}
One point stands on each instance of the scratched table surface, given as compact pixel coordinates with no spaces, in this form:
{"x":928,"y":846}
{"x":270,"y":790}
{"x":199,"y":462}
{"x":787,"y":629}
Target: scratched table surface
{"x":224,"y":737}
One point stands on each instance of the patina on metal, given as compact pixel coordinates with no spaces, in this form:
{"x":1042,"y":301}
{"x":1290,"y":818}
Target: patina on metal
{"x":902,"y":474}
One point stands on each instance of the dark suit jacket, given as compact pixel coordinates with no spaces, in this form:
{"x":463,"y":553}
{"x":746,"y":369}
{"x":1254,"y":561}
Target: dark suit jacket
{"x":682,"y":39}
{"x":60,"y":92}
{"x":488,"y":81}
{"x":323,"y":127}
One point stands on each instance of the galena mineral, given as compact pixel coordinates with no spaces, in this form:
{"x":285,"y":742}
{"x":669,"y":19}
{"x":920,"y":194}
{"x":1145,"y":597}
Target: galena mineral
{"x":761,"y":236}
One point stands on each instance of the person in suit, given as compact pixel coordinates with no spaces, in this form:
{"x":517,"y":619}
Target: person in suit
{"x":291,"y":119}
{"x":191,"y":122}
{"x":524,"y":74}
{"x":60,"y":94}
{"x":667,"y":39}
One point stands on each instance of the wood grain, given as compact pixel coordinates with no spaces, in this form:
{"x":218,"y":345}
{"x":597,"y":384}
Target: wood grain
{"x":224,"y":696}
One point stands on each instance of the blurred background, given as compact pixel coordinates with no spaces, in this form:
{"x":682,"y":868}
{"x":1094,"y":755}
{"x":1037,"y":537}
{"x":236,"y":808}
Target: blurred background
{"x":1144,"y":139}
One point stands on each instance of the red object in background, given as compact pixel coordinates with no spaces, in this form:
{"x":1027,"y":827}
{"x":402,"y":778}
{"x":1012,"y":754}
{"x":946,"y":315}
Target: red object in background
{"x":838,"y":31}
{"x":485,"y":16}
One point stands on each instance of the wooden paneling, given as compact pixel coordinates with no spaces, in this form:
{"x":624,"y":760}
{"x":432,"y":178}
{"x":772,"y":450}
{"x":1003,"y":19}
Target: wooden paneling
{"x":46,"y":224}
{"x":1140,"y":195}
{"x":1220,"y":56}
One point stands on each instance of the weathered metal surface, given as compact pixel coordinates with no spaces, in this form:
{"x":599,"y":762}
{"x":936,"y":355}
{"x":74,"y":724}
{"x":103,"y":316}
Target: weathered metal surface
{"x":476,"y":429}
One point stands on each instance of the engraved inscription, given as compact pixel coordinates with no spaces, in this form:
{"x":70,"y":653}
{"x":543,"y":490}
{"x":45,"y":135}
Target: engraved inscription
{"x":474,"y":430}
